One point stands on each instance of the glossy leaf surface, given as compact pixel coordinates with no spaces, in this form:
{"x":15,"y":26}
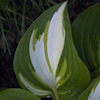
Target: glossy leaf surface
{"x":86,"y":36}
{"x":46,"y":62}
{"x":17,"y":94}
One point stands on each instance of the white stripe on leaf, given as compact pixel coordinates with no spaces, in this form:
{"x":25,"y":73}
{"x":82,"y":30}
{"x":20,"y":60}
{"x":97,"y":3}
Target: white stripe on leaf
{"x":39,"y":62}
{"x":34,"y":89}
{"x":56,"y":38}
{"x":45,"y":52}
{"x":95,"y":93}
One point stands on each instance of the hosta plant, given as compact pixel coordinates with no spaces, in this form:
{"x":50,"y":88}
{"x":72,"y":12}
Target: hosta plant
{"x":46,"y":61}
{"x":49,"y":59}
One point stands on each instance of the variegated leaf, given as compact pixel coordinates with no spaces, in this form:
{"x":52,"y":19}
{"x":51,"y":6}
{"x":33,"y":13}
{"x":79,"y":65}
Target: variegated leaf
{"x":46,"y":62}
{"x":92,"y":92}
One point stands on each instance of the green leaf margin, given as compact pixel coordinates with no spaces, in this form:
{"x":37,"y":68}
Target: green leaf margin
{"x":17,"y":94}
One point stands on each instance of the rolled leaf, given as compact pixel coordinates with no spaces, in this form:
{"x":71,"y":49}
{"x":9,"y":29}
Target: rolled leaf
{"x":86,"y":36}
{"x":17,"y":94}
{"x":46,"y":62}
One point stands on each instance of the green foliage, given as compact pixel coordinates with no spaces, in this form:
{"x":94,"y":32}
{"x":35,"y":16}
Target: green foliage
{"x":71,"y":83}
{"x":92,"y":92}
{"x":56,"y":59}
{"x":3,"y":88}
{"x":95,"y":74}
{"x":86,"y":37}
{"x":39,"y":4}
{"x":73,"y":2}
{"x":10,"y":12}
{"x":17,"y":94}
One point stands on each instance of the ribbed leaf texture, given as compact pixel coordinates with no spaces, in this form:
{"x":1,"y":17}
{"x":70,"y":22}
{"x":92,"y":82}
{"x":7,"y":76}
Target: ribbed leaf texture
{"x":86,"y":36}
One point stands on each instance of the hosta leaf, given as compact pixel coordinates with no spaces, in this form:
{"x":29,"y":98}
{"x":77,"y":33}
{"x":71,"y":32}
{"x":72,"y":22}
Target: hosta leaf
{"x":92,"y":92}
{"x":46,"y":62}
{"x":17,"y":94}
{"x":86,"y":36}
{"x":95,"y":74}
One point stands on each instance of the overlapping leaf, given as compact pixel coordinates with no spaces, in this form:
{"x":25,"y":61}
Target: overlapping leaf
{"x":86,"y":36}
{"x":17,"y":94}
{"x":92,"y":92}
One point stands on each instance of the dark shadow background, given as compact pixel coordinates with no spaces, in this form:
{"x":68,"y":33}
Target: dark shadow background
{"x":7,"y":75}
